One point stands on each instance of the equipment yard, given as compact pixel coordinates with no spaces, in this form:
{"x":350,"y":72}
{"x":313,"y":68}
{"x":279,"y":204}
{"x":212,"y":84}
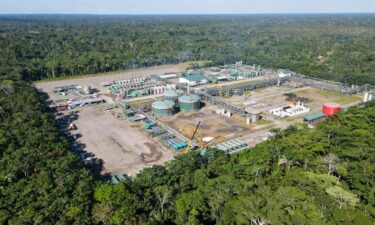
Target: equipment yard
{"x":117,"y":141}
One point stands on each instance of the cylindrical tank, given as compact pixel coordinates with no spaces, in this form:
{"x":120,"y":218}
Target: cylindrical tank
{"x":163,"y":108}
{"x":180,"y":92}
{"x":189,"y":103}
{"x":170,"y":94}
{"x":330,"y":109}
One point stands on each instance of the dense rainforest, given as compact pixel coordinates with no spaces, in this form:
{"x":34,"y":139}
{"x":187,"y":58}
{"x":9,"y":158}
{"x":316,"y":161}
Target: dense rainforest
{"x":300,"y":176}
{"x":336,"y":47}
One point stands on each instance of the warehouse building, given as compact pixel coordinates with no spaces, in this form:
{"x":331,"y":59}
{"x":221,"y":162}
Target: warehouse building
{"x":313,"y":117}
{"x":194,"y":80}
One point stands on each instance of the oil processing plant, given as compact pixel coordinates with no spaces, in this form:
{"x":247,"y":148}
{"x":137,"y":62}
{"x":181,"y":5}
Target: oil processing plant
{"x":229,"y":108}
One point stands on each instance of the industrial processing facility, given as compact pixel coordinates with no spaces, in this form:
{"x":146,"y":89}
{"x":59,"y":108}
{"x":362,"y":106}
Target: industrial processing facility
{"x":137,"y":121}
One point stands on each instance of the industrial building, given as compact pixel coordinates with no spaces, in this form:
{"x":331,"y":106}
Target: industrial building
{"x":313,"y":117}
{"x":290,"y":110}
{"x":139,"y":87}
{"x":163,"y":108}
{"x":285,"y":73}
{"x":194,"y":80}
{"x":130,"y":81}
{"x":83,"y":102}
{"x":189,"y":103}
{"x":231,"y":146}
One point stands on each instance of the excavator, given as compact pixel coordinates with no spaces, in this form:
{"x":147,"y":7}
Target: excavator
{"x":192,"y":138}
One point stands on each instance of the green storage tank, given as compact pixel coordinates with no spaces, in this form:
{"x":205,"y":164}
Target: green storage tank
{"x":163,"y":108}
{"x":189,"y":103}
{"x":170,"y":94}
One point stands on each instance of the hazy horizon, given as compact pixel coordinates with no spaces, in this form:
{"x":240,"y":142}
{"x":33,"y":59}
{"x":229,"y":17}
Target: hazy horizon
{"x":192,"y":7}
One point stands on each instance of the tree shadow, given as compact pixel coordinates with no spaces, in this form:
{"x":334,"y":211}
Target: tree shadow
{"x":89,"y":159}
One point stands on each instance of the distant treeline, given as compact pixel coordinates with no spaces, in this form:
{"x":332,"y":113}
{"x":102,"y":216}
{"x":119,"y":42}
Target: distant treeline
{"x":337,"y":47}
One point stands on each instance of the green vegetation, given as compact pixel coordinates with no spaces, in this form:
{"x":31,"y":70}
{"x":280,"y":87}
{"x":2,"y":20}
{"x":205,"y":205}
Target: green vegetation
{"x":336,"y":47}
{"x":300,"y":176}
{"x":41,"y":180}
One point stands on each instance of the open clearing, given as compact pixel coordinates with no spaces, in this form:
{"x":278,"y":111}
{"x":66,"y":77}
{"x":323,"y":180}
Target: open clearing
{"x":116,"y":141}
{"x":122,"y":146}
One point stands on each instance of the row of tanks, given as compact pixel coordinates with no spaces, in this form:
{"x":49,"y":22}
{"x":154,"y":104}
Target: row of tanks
{"x":173,"y":100}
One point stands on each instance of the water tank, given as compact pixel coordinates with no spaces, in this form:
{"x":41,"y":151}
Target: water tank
{"x":189,"y":103}
{"x":330,"y":109}
{"x":180,"y":92}
{"x":170,"y":94}
{"x":163,"y":108}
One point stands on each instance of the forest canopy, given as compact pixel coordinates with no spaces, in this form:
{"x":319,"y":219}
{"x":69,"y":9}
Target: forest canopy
{"x":300,"y":176}
{"x":336,"y":47}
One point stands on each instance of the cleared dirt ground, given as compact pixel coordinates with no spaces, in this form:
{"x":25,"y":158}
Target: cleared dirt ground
{"x":211,"y":124}
{"x":121,"y":146}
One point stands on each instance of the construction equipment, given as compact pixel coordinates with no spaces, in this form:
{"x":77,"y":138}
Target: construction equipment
{"x":203,"y":144}
{"x":191,"y":139}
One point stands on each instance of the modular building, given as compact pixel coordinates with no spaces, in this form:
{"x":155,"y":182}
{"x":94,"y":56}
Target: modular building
{"x":83,"y":102}
{"x":194,"y":80}
{"x":313,"y":117}
{"x":189,"y":103}
{"x":163,"y":108}
{"x":291,"y":110}
{"x":232,"y":146}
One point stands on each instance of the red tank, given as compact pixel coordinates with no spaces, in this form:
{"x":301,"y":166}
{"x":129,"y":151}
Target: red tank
{"x":330,"y":109}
